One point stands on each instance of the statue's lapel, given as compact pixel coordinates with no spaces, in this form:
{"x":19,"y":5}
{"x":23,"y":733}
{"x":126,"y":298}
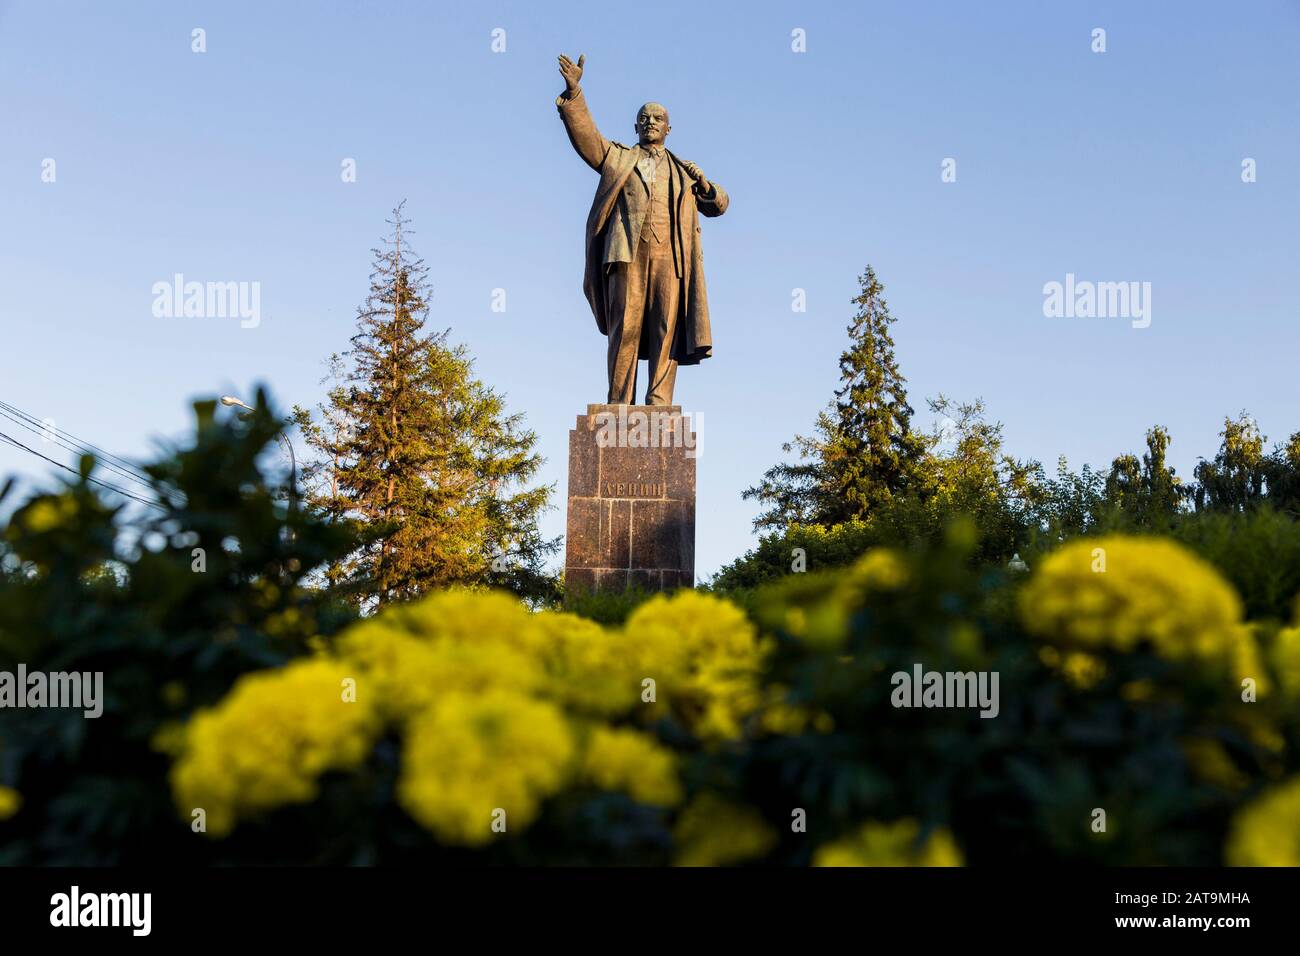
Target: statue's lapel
{"x":679,"y":180}
{"x":643,"y":168}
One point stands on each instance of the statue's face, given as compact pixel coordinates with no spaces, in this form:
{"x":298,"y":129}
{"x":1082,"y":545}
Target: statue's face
{"x":652,"y":125}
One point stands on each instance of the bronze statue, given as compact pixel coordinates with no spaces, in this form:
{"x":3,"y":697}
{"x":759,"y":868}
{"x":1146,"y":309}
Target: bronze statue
{"x":644,"y":273}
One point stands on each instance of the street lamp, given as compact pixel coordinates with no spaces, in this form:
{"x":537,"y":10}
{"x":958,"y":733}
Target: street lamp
{"x":231,"y":402}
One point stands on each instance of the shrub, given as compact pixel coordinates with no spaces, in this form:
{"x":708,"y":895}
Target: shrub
{"x":1118,"y":691}
{"x":1144,"y":714}
{"x":86,"y":586}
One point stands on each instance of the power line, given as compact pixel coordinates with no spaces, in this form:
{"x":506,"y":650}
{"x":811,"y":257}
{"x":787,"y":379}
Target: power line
{"x":129,"y":475}
{"x":105,"y":484}
{"x":84,"y":446}
{"x":105,"y":457}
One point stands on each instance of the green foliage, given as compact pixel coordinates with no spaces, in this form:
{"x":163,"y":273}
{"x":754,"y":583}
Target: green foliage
{"x":1242,"y":476}
{"x":866,"y":478}
{"x":1148,"y":491}
{"x":1165,"y":746}
{"x":1258,"y":551}
{"x":777,"y":554}
{"x":410,"y":443}
{"x":965,"y":472}
{"x":1016,"y":508}
{"x":864,"y":451}
{"x":962,"y":473}
{"x":1021,"y":787}
{"x":171,"y":604}
{"x":1069,"y":504}
{"x":1284,"y":477}
{"x":1235,"y":478}
{"x":866,"y":463}
{"x":605,"y":607}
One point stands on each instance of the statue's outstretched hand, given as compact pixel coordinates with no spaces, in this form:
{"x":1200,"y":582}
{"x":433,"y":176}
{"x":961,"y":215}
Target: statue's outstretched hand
{"x":572,"y":72}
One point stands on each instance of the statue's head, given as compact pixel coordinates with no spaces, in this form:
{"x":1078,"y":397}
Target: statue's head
{"x":652,"y":125}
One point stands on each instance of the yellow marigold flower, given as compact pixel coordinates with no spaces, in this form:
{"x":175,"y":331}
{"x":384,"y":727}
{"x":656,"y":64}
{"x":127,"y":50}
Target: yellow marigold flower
{"x":11,"y":802}
{"x":632,"y":762}
{"x":1247,"y":661}
{"x":672,"y":633}
{"x":890,"y":844}
{"x":713,"y":832}
{"x":704,"y":655}
{"x":269,"y":741}
{"x":587,"y":667}
{"x":784,"y":719}
{"x":1267,"y":831}
{"x":1080,"y":669}
{"x":781,"y":717}
{"x":406,"y":674}
{"x":1118,"y":591}
{"x":1285,"y":658}
{"x":170,"y":738}
{"x":796,"y":621}
{"x":47,"y":513}
{"x":880,"y":569}
{"x":468,"y":617}
{"x":469,"y":755}
{"x":1211,"y":763}
{"x":451,"y":641}
{"x":821,"y":626}
{"x":289,"y":623}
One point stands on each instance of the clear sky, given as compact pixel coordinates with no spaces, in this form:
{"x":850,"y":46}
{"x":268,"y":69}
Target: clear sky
{"x":226,"y":166}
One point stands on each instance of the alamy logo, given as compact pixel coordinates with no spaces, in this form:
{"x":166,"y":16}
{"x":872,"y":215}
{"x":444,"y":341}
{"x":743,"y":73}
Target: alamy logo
{"x":103,"y":909}
{"x":80,"y":691}
{"x":208,"y":300}
{"x":1098,"y":300}
{"x":924,"y":688}
{"x":653,"y":429}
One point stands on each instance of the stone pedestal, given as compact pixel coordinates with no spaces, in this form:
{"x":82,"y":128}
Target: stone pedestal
{"x":631,"y":518}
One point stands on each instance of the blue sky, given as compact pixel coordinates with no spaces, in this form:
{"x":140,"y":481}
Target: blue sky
{"x":225,"y":166}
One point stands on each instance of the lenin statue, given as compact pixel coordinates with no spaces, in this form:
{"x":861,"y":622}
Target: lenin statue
{"x":644,"y":271}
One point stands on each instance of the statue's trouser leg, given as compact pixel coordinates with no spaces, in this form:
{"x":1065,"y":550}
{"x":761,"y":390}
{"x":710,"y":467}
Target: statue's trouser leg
{"x":625,"y":288}
{"x":662,"y":291}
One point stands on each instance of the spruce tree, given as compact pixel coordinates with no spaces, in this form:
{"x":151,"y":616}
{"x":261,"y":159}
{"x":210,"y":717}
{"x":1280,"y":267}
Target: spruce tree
{"x":422,"y":454}
{"x":864,"y":452}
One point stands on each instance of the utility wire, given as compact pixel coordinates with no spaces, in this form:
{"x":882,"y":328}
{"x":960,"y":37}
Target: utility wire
{"x":129,"y":475}
{"x":104,"y":456}
{"x":84,"y":446}
{"x":125,"y":494}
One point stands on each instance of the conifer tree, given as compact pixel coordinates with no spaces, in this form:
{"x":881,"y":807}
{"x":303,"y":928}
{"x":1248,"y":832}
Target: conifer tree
{"x":864,"y":452}
{"x":422,"y":454}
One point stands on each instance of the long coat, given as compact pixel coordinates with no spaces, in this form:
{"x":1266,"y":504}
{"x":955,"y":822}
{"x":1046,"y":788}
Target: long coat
{"x":693,"y":340}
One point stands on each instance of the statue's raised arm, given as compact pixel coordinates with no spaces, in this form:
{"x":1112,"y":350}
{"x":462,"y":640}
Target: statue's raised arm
{"x":583,"y":134}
